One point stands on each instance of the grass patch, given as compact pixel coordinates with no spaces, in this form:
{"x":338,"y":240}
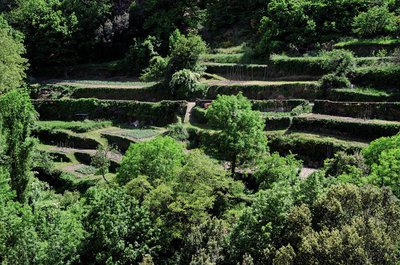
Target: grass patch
{"x":104,"y":82}
{"x":380,"y":41}
{"x":230,"y":50}
{"x":141,"y":133}
{"x":86,"y":170}
{"x":75,"y":126}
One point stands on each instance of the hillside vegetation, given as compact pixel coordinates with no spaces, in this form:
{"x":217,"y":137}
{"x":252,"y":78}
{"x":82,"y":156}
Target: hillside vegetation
{"x":204,"y":132}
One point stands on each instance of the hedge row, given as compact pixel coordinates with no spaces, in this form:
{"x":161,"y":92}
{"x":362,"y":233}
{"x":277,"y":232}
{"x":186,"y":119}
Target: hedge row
{"x":155,"y":93}
{"x":309,"y":91}
{"x":312,"y":150}
{"x":64,"y":139}
{"x":283,"y":70}
{"x":159,"y":114}
{"x":62,"y":181}
{"x":365,"y":110}
{"x":291,"y":107}
{"x":357,"y":95}
{"x":360,"y":130}
{"x":361,"y":49}
{"x":377,"y":77}
{"x":278,"y":105}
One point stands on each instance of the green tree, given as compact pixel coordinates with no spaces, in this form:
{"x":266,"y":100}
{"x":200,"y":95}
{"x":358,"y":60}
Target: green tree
{"x":377,"y":21}
{"x":386,"y":171}
{"x":286,"y":26}
{"x":160,"y":158}
{"x":101,"y":160}
{"x":50,"y":29}
{"x":353,"y":225}
{"x":161,"y":17}
{"x":274,"y":168}
{"x":241,"y":130}
{"x":120,"y":230}
{"x":46,"y":232}
{"x":185,"y":53}
{"x":17,"y":116}
{"x":12,"y":64}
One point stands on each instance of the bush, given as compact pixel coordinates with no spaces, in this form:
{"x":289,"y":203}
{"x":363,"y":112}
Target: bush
{"x":334,"y":81}
{"x":377,"y":21}
{"x":178,"y":132}
{"x":339,"y":62}
{"x":185,"y":83}
{"x":156,"y":70}
{"x":185,"y":53}
{"x":365,"y":110}
{"x":139,"y":55}
{"x":377,"y":77}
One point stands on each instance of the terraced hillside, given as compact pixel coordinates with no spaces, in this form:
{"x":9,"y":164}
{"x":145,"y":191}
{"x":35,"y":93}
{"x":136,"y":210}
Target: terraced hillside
{"x":301,"y":116}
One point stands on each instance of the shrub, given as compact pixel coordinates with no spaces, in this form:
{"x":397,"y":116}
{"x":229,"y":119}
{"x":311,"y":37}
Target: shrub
{"x":375,"y":22}
{"x":334,"y":81}
{"x":177,"y":132}
{"x":186,"y":52}
{"x":396,"y":56}
{"x":185,"y":83}
{"x":339,"y":62}
{"x":156,"y":70}
{"x":139,"y":54}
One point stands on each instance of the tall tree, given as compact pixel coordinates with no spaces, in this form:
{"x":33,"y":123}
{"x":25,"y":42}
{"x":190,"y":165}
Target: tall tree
{"x":241,"y":130}
{"x":17,"y":116}
{"x":12,"y":64}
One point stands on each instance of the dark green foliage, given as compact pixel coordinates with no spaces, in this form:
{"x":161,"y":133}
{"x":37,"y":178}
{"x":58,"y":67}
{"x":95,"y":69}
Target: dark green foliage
{"x":312,"y":150}
{"x":12,"y":65}
{"x":377,"y":21}
{"x":274,"y":168}
{"x":50,"y":28}
{"x":185,"y":53}
{"x":160,"y":158}
{"x":120,"y":230}
{"x":154,"y":93}
{"x":178,"y":132}
{"x":309,"y":91}
{"x":67,"y":109}
{"x":382,"y":77}
{"x":343,"y":163}
{"x":365,"y":110}
{"x":140,"y":54}
{"x":185,"y":83}
{"x":241,"y":130}
{"x":279,"y":230}
{"x":338,"y":62}
{"x":17,"y":116}
{"x":286,"y":26}
{"x":156,"y":70}
{"x":356,"y":129}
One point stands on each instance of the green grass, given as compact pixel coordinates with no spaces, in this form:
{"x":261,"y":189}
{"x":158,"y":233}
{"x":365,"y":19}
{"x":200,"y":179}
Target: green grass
{"x":105,"y":82}
{"x":87,"y":170}
{"x":231,"y":50}
{"x":381,"y":41}
{"x":141,"y":133}
{"x":222,"y":58}
{"x":364,"y":91}
{"x":318,"y":138}
{"x":75,"y":126}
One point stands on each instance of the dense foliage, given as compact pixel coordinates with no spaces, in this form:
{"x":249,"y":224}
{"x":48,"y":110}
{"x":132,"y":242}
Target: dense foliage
{"x":204,"y":185}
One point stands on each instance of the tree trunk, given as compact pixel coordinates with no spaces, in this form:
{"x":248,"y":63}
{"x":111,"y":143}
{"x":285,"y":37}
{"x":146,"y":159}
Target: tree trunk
{"x":233,"y":166}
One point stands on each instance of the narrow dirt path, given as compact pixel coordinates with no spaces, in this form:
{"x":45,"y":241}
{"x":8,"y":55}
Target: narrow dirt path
{"x":94,"y":85}
{"x":189,"y":109}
